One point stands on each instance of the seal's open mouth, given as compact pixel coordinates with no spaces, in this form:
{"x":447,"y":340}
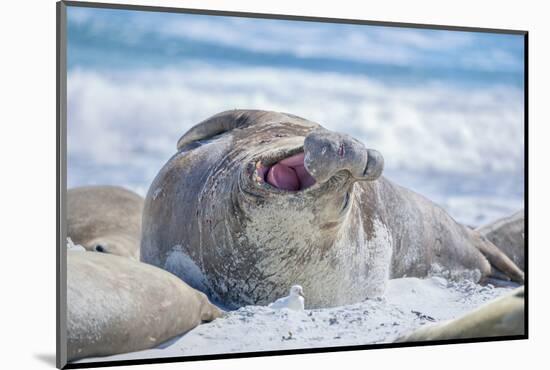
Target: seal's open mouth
{"x":286,"y":174}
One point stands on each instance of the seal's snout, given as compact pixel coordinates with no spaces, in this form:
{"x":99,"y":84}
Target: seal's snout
{"x":324,"y":154}
{"x":327,"y":153}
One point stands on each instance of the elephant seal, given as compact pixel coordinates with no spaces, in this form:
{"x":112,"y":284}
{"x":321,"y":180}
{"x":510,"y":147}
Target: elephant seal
{"x":105,"y":219}
{"x":501,"y":317}
{"x":508,"y":234}
{"x":117,"y":305}
{"x":256,"y":201}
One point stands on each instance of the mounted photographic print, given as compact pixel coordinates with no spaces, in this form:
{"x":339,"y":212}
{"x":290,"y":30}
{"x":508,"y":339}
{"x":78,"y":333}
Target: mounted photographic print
{"x":235,"y":184}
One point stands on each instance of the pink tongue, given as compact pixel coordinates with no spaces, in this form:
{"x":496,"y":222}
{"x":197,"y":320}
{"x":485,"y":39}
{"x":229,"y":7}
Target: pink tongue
{"x":290,"y":174}
{"x":283,"y":177}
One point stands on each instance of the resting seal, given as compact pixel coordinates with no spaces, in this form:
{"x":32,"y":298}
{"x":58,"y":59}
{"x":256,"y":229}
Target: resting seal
{"x":254,"y":202}
{"x":105,"y":219}
{"x":501,"y":317}
{"x":508,"y":234}
{"x":117,"y":305}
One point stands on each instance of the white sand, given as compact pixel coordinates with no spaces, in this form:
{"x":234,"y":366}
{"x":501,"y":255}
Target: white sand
{"x":408,"y":304}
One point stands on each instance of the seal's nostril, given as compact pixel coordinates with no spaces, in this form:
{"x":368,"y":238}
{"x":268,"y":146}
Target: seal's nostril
{"x":100,"y":248}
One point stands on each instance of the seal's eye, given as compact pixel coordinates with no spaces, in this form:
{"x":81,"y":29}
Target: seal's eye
{"x":192,"y":145}
{"x":100,"y":248}
{"x":219,"y":124}
{"x":197,"y":144}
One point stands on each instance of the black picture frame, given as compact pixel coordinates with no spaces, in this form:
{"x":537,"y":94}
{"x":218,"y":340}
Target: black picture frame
{"x":61,"y":186}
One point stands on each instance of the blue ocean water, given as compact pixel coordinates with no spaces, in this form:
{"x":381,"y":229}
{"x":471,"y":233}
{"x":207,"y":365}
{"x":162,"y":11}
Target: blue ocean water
{"x":130,"y":39}
{"x":444,"y":107}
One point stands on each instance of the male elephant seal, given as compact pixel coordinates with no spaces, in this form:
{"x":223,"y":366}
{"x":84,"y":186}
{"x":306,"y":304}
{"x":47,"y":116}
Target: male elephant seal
{"x":117,"y":305}
{"x":105,"y":219}
{"x":501,"y":317}
{"x":254,"y":202}
{"x":508,"y":234}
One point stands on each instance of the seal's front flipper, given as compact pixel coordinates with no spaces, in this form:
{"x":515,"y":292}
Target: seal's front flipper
{"x":500,"y":263}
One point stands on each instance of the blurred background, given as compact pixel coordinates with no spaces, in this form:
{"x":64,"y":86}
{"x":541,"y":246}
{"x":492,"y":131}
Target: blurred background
{"x":445,"y":108}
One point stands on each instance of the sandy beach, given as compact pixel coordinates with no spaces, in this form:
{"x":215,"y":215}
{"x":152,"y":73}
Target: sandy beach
{"x":409,"y":303}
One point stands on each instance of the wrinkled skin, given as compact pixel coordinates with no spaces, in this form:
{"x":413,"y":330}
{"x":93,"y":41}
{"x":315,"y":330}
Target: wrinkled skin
{"x":212,"y":219}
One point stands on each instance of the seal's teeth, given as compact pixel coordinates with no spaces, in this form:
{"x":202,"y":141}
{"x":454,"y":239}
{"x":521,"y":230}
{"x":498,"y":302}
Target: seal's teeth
{"x":261,"y":172}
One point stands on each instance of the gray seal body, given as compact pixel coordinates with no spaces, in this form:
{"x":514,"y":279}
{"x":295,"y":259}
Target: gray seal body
{"x":214,"y":218}
{"x":501,"y":317}
{"x":105,"y":219}
{"x":117,"y":305}
{"x":508,"y":234}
